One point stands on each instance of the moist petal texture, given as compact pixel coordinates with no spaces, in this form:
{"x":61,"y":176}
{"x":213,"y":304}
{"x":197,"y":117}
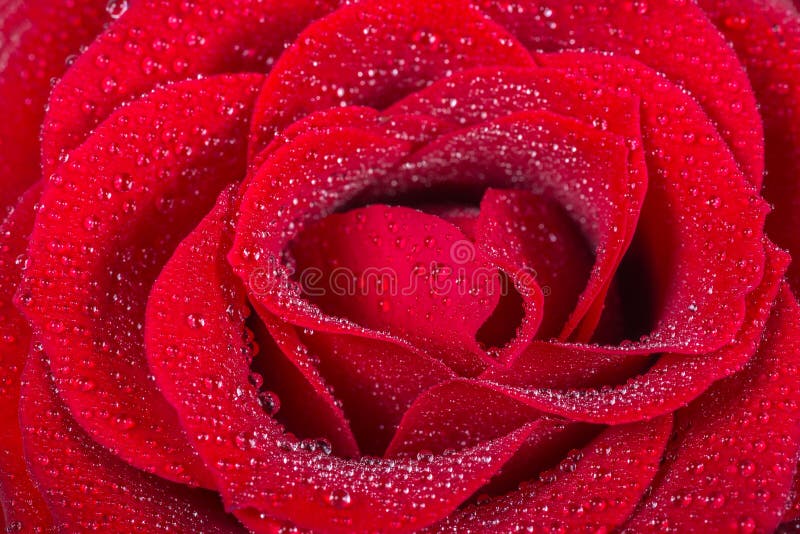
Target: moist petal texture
{"x":88,"y":489}
{"x":37,"y":38}
{"x":733,"y":462}
{"x":23,"y":505}
{"x":160,"y":41}
{"x":399,"y":46}
{"x":127,"y":197}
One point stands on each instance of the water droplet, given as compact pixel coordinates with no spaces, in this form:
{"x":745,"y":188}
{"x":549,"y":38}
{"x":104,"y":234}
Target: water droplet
{"x":339,"y":498}
{"x":116,"y":8}
{"x":270,"y":402}
{"x":195,"y":320}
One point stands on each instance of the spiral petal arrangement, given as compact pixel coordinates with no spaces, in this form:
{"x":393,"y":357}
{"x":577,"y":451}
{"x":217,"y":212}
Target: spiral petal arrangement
{"x":400,"y":266}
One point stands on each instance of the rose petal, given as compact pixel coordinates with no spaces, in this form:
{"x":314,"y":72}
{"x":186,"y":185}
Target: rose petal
{"x":459,"y":414}
{"x":671,"y":383}
{"x":351,"y":163}
{"x":262,"y":470}
{"x":129,"y":194}
{"x":415,"y":128}
{"x":766,"y":36}
{"x":535,"y":236}
{"x":37,"y":37}
{"x":671,"y":37}
{"x":157,"y":41}
{"x":287,"y":368}
{"x":401,"y":271}
{"x":22,"y":502}
{"x":375,"y":52}
{"x":699,"y":230}
{"x":583,"y":169}
{"x":478,"y":95}
{"x":375,"y":380}
{"x":89,"y":489}
{"x":595,"y":489}
{"x":736,"y":451}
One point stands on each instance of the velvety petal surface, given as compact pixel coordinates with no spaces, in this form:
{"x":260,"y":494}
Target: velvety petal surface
{"x":88,"y":489}
{"x":123,"y":201}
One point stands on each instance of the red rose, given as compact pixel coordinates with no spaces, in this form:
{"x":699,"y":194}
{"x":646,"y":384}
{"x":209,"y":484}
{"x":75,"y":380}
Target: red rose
{"x":400,"y":266}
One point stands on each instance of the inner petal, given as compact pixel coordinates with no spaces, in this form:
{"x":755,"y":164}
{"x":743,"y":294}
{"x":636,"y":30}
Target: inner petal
{"x":535,"y":237}
{"x":403,"y":271}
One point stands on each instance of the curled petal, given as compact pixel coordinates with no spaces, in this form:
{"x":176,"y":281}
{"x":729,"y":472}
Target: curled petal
{"x":375,"y":52}
{"x":89,"y":489}
{"x":735,"y":455}
{"x":482,"y":94}
{"x":582,"y":169}
{"x":259,"y":468}
{"x":672,"y":382}
{"x":126,"y":198}
{"x":698,"y":237}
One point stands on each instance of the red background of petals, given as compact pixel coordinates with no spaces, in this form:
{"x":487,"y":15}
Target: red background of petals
{"x":641,"y":159}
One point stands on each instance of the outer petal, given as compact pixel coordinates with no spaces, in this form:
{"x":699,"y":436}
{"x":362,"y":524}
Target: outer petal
{"x":157,"y":41}
{"x":23,"y":505}
{"x":36,"y":38}
{"x":122,"y":202}
{"x":595,"y":489}
{"x":88,"y":489}
{"x":766,"y":36}
{"x":737,"y":447}
{"x":675,"y":38}
{"x":373,"y":53}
